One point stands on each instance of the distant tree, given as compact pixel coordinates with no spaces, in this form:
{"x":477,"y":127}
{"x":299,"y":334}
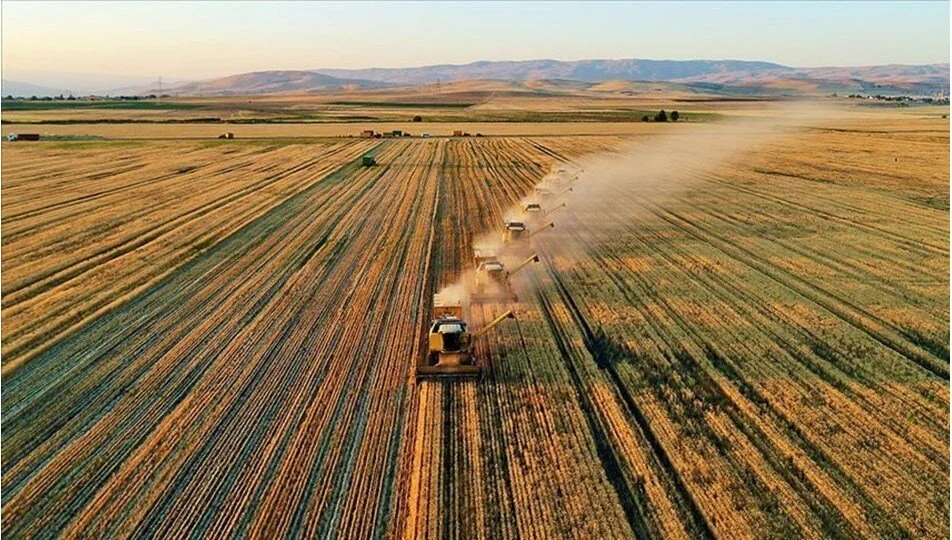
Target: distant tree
{"x":661,"y":116}
{"x":675,"y":116}
{"x":645,"y":118}
{"x":417,"y":118}
{"x":70,"y":98}
{"x":47,"y":98}
{"x":33,"y":98}
{"x":60,"y":97}
{"x":9,"y":96}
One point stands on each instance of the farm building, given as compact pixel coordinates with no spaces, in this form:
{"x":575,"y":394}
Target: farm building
{"x":457,"y":132}
{"x":227,"y":135}
{"x":397,"y":133}
{"x":24,"y":137}
{"x":368,"y":133}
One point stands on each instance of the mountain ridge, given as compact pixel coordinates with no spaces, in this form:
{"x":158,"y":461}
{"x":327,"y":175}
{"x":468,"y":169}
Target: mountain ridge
{"x":583,"y":70}
{"x":599,"y":70}
{"x":268,"y":82}
{"x":716,"y":76}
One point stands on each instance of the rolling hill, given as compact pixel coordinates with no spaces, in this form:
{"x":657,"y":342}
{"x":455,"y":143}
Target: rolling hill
{"x":23,"y":89}
{"x":581,"y":70}
{"x":726,"y":76}
{"x":721,"y":77}
{"x":272,"y":82}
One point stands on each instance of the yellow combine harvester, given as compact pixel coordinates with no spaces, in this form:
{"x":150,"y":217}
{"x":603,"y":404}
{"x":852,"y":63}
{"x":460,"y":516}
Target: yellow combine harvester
{"x":535,"y":214}
{"x":515,"y":236}
{"x":449,"y":351}
{"x":492,"y":282}
{"x":482,"y":254}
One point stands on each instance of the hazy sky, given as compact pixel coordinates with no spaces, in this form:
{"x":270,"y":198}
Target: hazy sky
{"x":209,"y":39}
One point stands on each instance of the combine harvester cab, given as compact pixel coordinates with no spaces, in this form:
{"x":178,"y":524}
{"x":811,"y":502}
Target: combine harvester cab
{"x":449,"y":344}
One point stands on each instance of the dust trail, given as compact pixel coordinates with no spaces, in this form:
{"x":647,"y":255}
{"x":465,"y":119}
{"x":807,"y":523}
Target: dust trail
{"x":599,"y":191}
{"x":458,"y":292}
{"x":602,"y":202}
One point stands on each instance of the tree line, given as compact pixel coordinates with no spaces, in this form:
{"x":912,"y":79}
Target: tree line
{"x":662,"y":117}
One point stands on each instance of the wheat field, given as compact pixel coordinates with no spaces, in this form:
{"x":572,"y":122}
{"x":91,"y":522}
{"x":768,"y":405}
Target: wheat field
{"x":218,"y":338}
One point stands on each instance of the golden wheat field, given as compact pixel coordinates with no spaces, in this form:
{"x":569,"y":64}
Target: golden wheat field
{"x":218,"y":338}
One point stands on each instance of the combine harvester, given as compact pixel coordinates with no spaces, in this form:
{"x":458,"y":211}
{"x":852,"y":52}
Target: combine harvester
{"x":535,"y":215}
{"x":492,"y":283}
{"x":450,"y":345}
{"x":516,"y":236}
{"x":563,"y":177}
{"x":546,"y":194}
{"x":483,"y":254}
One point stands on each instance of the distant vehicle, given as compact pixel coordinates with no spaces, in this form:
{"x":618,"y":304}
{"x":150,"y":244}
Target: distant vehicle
{"x":426,"y":135}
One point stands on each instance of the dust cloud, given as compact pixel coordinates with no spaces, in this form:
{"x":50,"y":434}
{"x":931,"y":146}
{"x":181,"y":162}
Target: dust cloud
{"x":457,"y":293}
{"x":595,"y":198}
{"x":612,"y":189}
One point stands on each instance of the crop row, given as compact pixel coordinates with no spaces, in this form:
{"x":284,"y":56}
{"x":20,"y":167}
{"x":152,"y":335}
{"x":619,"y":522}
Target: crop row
{"x":738,"y":350}
{"x":716,"y":352}
{"x":85,"y":233}
{"x":259,"y":386}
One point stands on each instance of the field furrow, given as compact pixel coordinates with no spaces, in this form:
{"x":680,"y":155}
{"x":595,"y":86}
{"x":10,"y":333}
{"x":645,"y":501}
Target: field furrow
{"x":219,"y":339}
